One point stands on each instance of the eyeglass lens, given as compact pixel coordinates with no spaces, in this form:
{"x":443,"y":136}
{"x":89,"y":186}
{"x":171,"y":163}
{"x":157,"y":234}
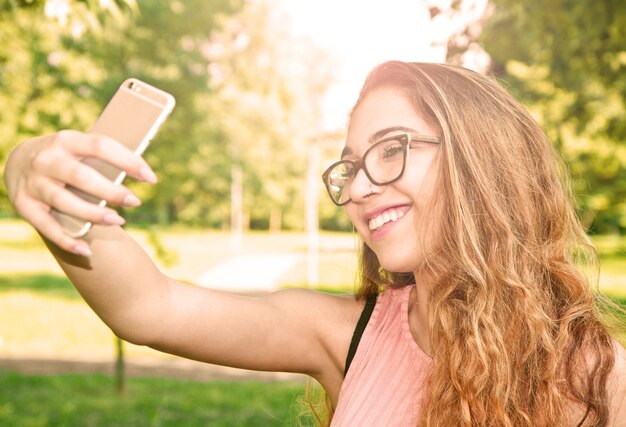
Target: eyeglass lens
{"x":383,"y":163}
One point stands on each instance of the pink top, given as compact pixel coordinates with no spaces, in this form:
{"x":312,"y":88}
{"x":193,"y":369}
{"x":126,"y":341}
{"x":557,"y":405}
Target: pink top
{"x":385,"y":384}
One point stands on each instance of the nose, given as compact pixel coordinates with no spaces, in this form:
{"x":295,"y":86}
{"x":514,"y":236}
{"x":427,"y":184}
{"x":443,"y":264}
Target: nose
{"x":361,"y":186}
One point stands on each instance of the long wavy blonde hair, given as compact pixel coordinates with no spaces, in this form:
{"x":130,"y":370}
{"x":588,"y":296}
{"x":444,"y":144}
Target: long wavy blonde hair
{"x":516,"y":335}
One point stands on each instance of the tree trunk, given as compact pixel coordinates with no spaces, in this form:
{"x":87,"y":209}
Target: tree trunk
{"x":120,"y":367}
{"x":236,"y":207}
{"x":276,"y":220}
{"x":312,"y":216}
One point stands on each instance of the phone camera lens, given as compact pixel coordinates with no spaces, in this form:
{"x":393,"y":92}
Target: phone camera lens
{"x":131,"y":85}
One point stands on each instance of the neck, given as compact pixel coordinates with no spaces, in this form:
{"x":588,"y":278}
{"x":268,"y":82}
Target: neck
{"x":418,"y":309}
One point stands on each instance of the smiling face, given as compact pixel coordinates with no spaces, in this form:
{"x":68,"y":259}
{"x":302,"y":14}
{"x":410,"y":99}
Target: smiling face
{"x":393,"y":219}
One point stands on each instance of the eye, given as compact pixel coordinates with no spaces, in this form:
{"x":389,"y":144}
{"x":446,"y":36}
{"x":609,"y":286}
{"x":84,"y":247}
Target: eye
{"x":393,"y":150}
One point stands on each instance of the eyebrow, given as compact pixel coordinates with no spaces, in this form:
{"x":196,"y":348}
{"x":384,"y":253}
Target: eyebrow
{"x":377,"y":136}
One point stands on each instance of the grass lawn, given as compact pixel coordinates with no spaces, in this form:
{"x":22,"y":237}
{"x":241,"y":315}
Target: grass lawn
{"x":90,"y":401}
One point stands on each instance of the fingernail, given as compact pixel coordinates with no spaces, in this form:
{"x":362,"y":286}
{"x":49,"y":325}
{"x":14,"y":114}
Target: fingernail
{"x":113,"y":219}
{"x":81,"y":248}
{"x":131,"y":201}
{"x":147,"y":175}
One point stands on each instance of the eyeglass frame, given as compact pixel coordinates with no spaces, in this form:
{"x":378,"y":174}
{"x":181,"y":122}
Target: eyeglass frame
{"x":406,"y":139}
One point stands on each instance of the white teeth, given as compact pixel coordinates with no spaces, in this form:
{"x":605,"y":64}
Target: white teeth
{"x":379,"y":221}
{"x":385,"y":217}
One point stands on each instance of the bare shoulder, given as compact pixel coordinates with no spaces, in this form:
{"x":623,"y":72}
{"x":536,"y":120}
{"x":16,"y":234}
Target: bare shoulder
{"x":619,"y":369}
{"x":618,"y":374}
{"x":333,"y":317}
{"x":617,"y":388}
{"x":325,"y":307}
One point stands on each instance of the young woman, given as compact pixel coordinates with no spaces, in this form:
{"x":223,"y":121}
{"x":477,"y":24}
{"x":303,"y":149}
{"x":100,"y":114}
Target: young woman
{"x":472,"y":309}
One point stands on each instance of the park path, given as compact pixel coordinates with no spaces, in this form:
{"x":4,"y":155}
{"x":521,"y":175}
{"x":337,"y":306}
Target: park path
{"x":250,"y":273}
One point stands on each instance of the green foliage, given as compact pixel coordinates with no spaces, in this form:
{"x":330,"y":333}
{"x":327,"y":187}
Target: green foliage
{"x":48,"y":285}
{"x":267,"y":109}
{"x":162,"y":44}
{"x":34,"y":99}
{"x":74,"y":5}
{"x":566,"y":60}
{"x":87,"y":400}
{"x":229,"y":64}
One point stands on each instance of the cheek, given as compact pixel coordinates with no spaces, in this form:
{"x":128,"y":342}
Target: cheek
{"x":352,"y":213}
{"x":422,"y":169}
{"x":430,"y":223}
{"x":349,"y":210}
{"x":417,"y":180}
{"x":361,"y":228}
{"x":419,"y":183}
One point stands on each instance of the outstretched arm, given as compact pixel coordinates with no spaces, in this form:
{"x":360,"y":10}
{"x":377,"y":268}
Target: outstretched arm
{"x":289,"y":330}
{"x":295,"y":330}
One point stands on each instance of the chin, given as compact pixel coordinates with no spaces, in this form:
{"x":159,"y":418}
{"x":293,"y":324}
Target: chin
{"x":398,"y":266}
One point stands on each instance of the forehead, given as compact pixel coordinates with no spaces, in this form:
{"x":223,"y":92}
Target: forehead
{"x":383,"y":108}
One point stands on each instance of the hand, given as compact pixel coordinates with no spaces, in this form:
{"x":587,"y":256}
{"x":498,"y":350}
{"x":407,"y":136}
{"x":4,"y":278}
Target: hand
{"x":37,"y":171}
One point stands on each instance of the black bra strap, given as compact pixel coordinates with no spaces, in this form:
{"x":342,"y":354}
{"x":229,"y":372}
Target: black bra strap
{"x":370,"y":303}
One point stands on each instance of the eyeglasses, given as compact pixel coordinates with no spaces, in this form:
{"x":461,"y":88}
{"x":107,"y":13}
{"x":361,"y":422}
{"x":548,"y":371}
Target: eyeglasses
{"x":383,"y":163}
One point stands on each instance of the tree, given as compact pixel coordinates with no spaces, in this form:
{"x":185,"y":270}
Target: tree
{"x":59,"y":75}
{"x":60,"y":61}
{"x":39,"y":93}
{"x":268,"y":107}
{"x":164,"y":47}
{"x":247,"y":94}
{"x":566,"y":60}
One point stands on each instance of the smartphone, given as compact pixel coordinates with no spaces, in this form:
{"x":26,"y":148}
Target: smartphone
{"x":132,"y":116}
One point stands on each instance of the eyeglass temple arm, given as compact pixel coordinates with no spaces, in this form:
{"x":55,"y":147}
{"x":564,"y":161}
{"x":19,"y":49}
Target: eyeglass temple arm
{"x":425,"y":138}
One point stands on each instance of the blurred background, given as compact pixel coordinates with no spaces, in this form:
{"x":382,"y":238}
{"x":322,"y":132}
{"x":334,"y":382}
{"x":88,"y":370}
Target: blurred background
{"x":263,"y":90}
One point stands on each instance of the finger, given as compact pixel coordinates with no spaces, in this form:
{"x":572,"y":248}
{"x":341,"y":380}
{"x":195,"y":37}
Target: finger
{"x":82,"y":177}
{"x":108,"y":149}
{"x":63,"y":200}
{"x":37,"y":214}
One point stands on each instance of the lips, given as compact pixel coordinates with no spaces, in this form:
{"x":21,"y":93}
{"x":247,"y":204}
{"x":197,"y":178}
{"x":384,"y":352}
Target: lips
{"x":382,"y":217}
